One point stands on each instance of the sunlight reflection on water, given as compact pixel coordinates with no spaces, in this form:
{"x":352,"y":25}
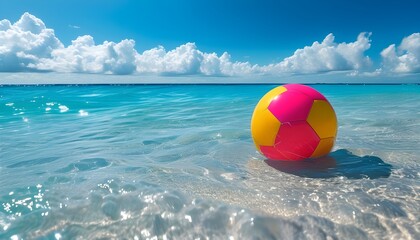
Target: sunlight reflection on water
{"x":179,"y":162}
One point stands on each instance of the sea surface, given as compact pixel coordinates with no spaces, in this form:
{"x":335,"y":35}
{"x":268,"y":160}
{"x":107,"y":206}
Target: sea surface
{"x":178,"y":162}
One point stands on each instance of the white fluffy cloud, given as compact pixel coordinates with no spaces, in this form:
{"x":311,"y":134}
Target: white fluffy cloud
{"x":187,"y":59}
{"x":28,"y":45}
{"x":405,"y":58}
{"x":84,"y":56}
{"x":326,"y":56}
{"x":24,"y":42}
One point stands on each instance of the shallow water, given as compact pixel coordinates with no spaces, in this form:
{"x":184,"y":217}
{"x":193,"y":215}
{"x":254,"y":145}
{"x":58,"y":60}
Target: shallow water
{"x":178,"y":162}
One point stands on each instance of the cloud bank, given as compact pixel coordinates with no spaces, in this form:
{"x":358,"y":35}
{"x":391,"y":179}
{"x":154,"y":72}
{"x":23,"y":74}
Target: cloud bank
{"x":25,"y":42}
{"x":405,"y":58}
{"x":84,"y":56}
{"x":326,"y":56}
{"x":28,"y":45}
{"x":187,"y":59}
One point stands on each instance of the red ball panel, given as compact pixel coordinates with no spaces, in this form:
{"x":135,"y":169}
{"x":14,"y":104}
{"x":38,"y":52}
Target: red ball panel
{"x":312,"y":93}
{"x":290,"y":106}
{"x":294,"y":141}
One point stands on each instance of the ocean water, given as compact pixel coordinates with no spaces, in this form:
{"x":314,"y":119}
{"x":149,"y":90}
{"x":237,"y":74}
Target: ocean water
{"x":178,"y":162}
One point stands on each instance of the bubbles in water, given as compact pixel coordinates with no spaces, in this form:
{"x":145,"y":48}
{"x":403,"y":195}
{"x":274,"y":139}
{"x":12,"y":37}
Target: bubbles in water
{"x":63,"y":108}
{"x":83,"y":113}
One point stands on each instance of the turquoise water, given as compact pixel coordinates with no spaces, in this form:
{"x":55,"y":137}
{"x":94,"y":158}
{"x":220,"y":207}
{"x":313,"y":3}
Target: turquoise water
{"x":178,"y":162}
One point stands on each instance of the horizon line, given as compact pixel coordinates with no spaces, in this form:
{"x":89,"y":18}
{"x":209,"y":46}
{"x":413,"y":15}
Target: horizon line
{"x":181,"y":84}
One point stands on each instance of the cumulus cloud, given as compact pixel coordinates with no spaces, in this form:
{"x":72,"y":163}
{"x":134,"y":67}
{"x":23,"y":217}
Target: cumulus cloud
{"x":326,"y":56}
{"x":187,"y":59}
{"x":405,"y":58}
{"x":28,"y":45}
{"x":83,"y":55}
{"x":24,"y":42}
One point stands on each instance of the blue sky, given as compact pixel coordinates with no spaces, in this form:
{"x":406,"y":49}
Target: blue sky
{"x":254,"y":32}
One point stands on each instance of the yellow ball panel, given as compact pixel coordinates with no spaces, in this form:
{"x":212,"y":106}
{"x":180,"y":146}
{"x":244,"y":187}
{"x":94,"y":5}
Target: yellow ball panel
{"x":324,"y":147}
{"x":264,"y":128}
{"x":322,"y":119}
{"x":266,"y":99}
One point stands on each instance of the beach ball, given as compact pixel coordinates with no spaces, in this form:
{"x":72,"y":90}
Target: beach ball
{"x":293,"y":122}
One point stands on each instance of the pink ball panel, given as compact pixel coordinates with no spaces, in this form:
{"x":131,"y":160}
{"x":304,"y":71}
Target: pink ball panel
{"x":294,"y":141}
{"x":291,"y":106}
{"x":312,"y":93}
